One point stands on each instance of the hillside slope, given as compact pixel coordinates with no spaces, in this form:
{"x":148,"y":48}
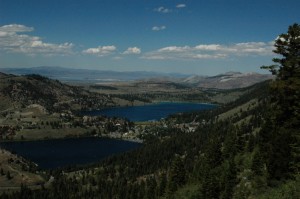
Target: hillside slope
{"x":228,"y":80}
{"x":21,"y":91}
{"x":15,"y":170}
{"x":33,"y":107}
{"x":171,"y":162}
{"x":220,"y":159}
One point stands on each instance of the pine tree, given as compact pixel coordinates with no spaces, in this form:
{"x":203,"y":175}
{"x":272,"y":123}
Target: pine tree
{"x":257,"y":163}
{"x":162,"y":185}
{"x":210,"y":186}
{"x":229,"y":179}
{"x":214,"y":154}
{"x":211,"y":175}
{"x":151,"y":188}
{"x":230,"y":144}
{"x":2,"y":172}
{"x":177,"y":176}
{"x":8,"y":176}
{"x":285,"y":118}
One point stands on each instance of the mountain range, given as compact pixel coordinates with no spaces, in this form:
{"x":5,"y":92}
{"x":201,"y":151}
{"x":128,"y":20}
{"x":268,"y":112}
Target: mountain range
{"x":88,"y":75}
{"x":229,"y":80}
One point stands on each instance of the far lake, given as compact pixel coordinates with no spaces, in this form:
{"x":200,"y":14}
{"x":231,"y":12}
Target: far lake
{"x":49,"y":154}
{"x":150,"y":112}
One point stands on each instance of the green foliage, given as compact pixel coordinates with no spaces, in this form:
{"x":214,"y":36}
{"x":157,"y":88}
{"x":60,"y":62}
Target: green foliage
{"x":177,"y":176}
{"x":8,"y":176}
{"x":37,"y":77}
{"x":229,"y":179}
{"x":287,"y":190}
{"x":103,"y":87}
{"x":257,"y":166}
{"x":2,"y":172}
{"x":280,"y":136}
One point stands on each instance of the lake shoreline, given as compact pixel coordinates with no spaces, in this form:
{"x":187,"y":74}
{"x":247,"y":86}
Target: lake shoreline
{"x":72,"y":137}
{"x":53,"y":154}
{"x":141,"y":111}
{"x":149,"y":112}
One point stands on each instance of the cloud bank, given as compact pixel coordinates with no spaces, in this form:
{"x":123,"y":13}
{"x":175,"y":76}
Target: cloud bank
{"x":181,"y":6}
{"x":132,"y":50}
{"x":162,"y":9}
{"x":100,"y":51}
{"x":12,"y":41}
{"x":158,"y":28}
{"x":211,"y":51}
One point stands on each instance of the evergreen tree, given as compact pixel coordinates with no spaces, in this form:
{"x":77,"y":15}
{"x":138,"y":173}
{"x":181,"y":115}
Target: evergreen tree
{"x":2,"y":172}
{"x":8,"y":176}
{"x":25,"y":192}
{"x":214,"y":154}
{"x":162,"y":184}
{"x":230,"y":144}
{"x":229,"y":179}
{"x":151,"y":188}
{"x":284,"y":122}
{"x":177,"y":175}
{"x":257,"y":163}
{"x":211,"y":185}
{"x":211,"y":170}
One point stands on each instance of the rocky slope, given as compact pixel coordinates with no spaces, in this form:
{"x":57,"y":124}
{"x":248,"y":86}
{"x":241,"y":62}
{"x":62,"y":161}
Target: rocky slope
{"x":228,"y":80}
{"x":21,"y":91}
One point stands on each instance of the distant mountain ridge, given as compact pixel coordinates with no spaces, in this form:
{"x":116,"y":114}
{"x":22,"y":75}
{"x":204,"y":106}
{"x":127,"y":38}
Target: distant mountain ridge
{"x":229,"y":80}
{"x":22,"y":91}
{"x":70,"y":74}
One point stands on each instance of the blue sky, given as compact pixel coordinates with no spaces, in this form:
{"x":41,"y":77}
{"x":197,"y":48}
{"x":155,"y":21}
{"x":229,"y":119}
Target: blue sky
{"x":184,"y":36}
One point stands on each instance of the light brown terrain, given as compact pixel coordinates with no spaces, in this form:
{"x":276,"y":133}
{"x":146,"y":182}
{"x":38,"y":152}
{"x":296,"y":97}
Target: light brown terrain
{"x":15,"y":170}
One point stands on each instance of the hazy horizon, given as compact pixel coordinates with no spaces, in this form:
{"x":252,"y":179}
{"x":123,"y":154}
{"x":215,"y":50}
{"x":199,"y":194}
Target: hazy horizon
{"x":157,"y":73}
{"x":186,"y":37}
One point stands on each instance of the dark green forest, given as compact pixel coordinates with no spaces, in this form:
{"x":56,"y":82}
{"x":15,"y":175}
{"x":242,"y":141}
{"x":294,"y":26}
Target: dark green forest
{"x":249,"y":148}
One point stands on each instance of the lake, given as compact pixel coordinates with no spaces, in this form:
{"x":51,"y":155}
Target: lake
{"x":151,"y":112}
{"x":49,"y":154}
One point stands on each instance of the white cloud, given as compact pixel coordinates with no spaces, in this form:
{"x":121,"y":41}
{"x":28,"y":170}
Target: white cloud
{"x":132,"y":50}
{"x":174,"y":49}
{"x":212,"y":47}
{"x":100,"y":50}
{"x":181,"y":6}
{"x":162,"y":10}
{"x":208,"y":56}
{"x":211,"y":51}
{"x":158,"y":28}
{"x":259,"y":48}
{"x":282,"y":39}
{"x":11,"y":41}
{"x":13,"y":28}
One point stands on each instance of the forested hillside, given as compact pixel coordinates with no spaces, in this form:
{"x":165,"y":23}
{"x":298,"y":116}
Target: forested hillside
{"x":246,"y":149}
{"x":17,"y":92}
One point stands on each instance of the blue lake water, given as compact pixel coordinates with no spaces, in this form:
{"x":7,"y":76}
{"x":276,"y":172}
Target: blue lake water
{"x":49,"y":154}
{"x":150,"y":112}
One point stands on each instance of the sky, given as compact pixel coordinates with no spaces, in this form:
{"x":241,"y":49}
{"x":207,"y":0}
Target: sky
{"x":170,"y":36}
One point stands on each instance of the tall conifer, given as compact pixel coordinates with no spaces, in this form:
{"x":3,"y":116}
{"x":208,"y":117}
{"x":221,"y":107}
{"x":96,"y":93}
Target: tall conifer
{"x":285,"y":117}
